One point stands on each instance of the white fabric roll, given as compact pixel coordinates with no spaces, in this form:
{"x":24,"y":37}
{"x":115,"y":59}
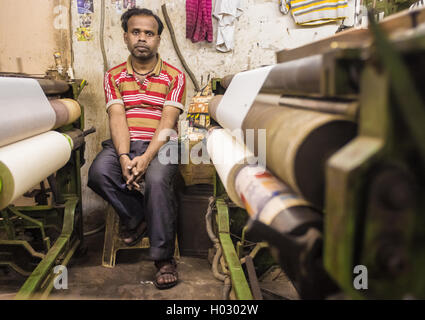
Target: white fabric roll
{"x":240,"y":96}
{"x":228,"y":156}
{"x":24,"y":110}
{"x":25,"y":163}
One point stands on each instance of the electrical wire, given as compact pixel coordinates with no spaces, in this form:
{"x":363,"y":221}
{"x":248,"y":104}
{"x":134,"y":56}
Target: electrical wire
{"x":219,"y":251}
{"x":94,"y":231}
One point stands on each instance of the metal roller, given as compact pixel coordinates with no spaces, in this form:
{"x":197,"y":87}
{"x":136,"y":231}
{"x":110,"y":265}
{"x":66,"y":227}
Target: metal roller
{"x":299,"y":142}
{"x":345,"y":108}
{"x":213,"y":106}
{"x":67,"y":111}
{"x":225,"y":81}
{"x":298,"y":76}
{"x":293,"y":229}
{"x":348,"y":108}
{"x":272,"y":202}
{"x":27,"y":112}
{"x":53,"y":86}
{"x":291,"y":226}
{"x":76,"y":136}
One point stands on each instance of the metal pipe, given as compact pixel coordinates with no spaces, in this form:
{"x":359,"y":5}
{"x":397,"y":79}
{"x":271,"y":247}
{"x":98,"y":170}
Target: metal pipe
{"x":216,"y":260}
{"x":299,"y":76}
{"x":225,"y":81}
{"x":94,"y":231}
{"x":223,"y":266}
{"x":53,"y":87}
{"x":253,"y":280}
{"x":214,"y":239}
{"x":226,"y":288}
{"x":254,"y":252}
{"x":346,"y":108}
{"x":208,"y":220}
{"x":77,"y":136}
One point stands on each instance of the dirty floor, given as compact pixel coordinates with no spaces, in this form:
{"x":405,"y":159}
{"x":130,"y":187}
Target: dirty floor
{"x":132,"y":276}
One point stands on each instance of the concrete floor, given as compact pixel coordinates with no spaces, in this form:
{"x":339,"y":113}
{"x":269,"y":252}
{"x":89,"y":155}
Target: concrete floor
{"x":132,"y":277}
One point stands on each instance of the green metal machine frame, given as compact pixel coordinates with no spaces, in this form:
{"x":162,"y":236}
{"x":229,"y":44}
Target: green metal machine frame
{"x":235,"y":252}
{"x":374,"y":201}
{"x":64,"y":216}
{"x":374,"y":211}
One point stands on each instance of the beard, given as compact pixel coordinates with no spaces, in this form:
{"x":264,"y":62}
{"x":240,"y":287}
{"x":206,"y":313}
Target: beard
{"x":142,"y":55}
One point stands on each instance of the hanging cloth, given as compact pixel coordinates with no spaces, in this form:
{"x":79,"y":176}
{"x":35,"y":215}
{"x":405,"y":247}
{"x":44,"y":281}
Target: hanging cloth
{"x":314,"y":12}
{"x":198,"y":20}
{"x":226,"y":11}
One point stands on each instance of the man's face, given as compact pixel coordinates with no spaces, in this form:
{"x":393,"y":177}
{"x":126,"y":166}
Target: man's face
{"x":142,"y":37}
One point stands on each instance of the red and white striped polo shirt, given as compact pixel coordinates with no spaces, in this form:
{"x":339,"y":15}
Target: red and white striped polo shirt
{"x":143,"y":102}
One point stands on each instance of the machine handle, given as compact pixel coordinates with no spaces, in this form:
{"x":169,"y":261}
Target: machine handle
{"x":89,"y":131}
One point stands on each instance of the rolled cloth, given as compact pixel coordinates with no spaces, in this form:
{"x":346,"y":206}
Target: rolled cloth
{"x":25,"y":163}
{"x":26,"y":111}
{"x":298,"y":144}
{"x":67,"y":111}
{"x":24,"y":108}
{"x":228,"y":157}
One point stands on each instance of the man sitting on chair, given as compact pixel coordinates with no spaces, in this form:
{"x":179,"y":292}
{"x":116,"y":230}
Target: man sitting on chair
{"x":144,"y":96}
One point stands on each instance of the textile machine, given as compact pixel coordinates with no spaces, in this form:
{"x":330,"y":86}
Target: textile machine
{"x":41,"y":141}
{"x":325,"y":151}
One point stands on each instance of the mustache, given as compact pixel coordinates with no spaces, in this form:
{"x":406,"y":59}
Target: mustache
{"x":141,"y":46}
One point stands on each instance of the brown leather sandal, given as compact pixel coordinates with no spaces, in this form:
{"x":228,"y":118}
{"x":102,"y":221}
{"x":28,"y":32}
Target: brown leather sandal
{"x":166,"y":267}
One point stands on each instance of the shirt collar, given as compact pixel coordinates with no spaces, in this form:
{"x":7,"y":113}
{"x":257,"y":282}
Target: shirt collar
{"x":156,"y":71}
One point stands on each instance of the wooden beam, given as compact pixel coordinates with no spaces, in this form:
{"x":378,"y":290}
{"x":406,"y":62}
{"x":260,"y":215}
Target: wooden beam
{"x":355,"y":37}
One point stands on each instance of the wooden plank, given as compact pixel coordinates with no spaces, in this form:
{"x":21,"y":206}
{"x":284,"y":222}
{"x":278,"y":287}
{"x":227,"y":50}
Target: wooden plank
{"x":354,"y":37}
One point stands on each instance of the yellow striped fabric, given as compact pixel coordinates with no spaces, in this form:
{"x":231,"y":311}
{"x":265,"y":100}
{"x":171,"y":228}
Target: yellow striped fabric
{"x":313,"y":12}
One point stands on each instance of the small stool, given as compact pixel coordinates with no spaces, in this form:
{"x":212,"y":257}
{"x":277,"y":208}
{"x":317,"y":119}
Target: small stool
{"x":113,"y":241}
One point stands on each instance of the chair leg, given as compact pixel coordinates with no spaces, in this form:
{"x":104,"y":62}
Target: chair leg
{"x":113,"y":243}
{"x":177,"y":250}
{"x":109,"y":246}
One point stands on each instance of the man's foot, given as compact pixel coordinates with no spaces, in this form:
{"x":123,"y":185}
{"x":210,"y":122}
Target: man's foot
{"x":131,"y":237}
{"x":167,"y":275}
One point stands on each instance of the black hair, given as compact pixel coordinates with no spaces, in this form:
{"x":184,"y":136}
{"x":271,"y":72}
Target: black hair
{"x":140,"y":12}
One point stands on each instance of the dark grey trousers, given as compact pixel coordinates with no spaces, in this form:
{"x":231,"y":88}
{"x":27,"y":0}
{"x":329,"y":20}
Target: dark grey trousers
{"x":158,"y":204}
